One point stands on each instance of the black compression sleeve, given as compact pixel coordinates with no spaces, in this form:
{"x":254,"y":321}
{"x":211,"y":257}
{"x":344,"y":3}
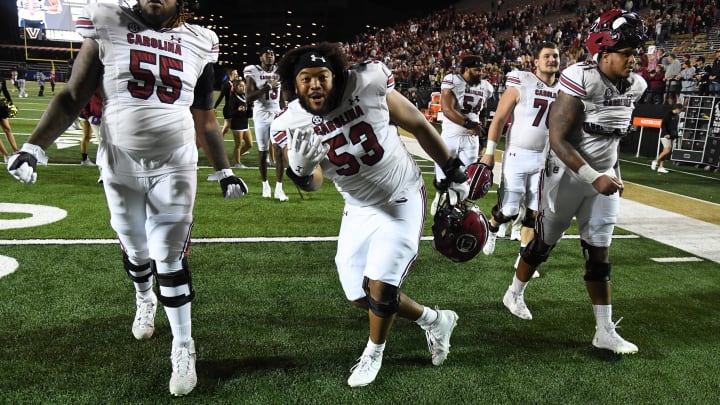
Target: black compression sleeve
{"x":204,"y":89}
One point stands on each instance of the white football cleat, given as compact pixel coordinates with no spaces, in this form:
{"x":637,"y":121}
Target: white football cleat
{"x":438,"y":335}
{"x":653,"y":165}
{"x":267,"y":192}
{"x":489,"y":247}
{"x":184,"y":377}
{"x":516,"y":304}
{"x":366,"y":369}
{"x":606,"y":338}
{"x":144,"y":323}
{"x":280,"y":194}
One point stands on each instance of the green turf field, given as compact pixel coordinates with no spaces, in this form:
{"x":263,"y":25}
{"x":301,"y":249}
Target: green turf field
{"x":271,"y":324}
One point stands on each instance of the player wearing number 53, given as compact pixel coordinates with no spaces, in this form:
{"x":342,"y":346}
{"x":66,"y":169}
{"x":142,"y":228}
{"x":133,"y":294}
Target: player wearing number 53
{"x":156,"y":78}
{"x":339,"y":126}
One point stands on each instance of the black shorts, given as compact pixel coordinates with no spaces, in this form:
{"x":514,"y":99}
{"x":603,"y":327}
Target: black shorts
{"x":4,"y":111}
{"x":239,"y":123}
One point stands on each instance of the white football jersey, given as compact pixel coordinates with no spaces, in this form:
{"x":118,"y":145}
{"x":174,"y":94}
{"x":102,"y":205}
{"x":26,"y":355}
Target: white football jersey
{"x":367,"y":160}
{"x":605,"y":105}
{"x":150,"y":77}
{"x":270,"y":101}
{"x":529,"y":128}
{"x":471,"y":99}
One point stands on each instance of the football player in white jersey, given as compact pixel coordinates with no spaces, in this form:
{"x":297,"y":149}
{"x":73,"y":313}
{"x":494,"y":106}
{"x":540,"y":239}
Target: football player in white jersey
{"x":581,"y":178}
{"x":527,"y":99}
{"x":264,"y":92}
{"x":338,"y":126}
{"x":155,"y":72}
{"x":463,"y":97}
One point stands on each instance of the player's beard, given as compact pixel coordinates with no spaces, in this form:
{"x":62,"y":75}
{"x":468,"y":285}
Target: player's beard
{"x":158,"y":20}
{"x":327,"y":106}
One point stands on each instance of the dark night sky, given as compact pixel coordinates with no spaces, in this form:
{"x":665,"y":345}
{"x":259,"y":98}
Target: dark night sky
{"x":336,"y":20}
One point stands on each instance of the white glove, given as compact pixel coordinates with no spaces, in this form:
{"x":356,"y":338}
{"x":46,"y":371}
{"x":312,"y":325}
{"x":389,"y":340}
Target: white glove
{"x":456,"y":181}
{"x":21,"y":165}
{"x":305,"y":151}
{"x":458,"y":192}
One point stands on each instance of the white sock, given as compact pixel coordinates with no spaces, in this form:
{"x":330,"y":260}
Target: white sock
{"x":603,"y":314}
{"x":143,"y":291}
{"x":373,"y":347}
{"x":180,"y":323}
{"x":278,"y":186}
{"x":428,"y":317}
{"x":517,"y":286}
{"x":266,"y":183}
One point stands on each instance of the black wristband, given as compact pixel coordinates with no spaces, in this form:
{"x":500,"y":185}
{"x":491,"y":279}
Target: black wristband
{"x":470,"y":124}
{"x":302,"y":181}
{"x":453,"y":171}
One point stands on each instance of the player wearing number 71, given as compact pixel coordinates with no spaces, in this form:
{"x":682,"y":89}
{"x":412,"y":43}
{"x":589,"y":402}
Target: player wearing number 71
{"x":156,"y":77}
{"x":528,"y":99}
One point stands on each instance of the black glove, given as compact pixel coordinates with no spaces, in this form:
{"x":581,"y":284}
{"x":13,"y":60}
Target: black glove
{"x":231,"y":185}
{"x":454,"y":170}
{"x":470,"y":124}
{"x":455,"y":181}
{"x":22,"y":165}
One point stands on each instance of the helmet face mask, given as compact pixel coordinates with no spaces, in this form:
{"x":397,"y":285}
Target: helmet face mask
{"x":614,"y":30}
{"x":460,"y":231}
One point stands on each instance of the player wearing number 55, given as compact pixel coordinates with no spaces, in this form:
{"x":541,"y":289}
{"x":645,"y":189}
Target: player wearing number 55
{"x":341,"y":125}
{"x":156,"y":77}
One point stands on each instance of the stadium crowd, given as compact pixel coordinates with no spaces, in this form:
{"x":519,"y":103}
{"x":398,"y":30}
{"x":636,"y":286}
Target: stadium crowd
{"x":422,"y":51}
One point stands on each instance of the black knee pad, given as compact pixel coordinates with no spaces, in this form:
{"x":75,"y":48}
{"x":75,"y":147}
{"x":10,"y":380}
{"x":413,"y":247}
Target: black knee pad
{"x":596,"y":271}
{"x":132,"y":270}
{"x":388,"y":305}
{"x":529,"y":220}
{"x":532,"y":257}
{"x":174,"y":279}
{"x":499,"y":217}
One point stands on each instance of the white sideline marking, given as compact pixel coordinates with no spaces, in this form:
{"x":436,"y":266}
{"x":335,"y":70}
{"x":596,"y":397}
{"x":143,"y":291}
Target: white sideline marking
{"x":675,"y":259}
{"x":263,"y":239}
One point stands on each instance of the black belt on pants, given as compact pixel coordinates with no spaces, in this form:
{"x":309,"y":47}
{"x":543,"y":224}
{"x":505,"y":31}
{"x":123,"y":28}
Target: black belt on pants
{"x":596,"y":129}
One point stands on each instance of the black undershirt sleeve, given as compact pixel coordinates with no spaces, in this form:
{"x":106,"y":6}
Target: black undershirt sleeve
{"x":204,"y":89}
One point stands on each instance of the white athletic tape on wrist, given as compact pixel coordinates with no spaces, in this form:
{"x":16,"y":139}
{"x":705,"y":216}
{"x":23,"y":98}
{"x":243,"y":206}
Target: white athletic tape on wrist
{"x":588,"y":174}
{"x":490,"y":148}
